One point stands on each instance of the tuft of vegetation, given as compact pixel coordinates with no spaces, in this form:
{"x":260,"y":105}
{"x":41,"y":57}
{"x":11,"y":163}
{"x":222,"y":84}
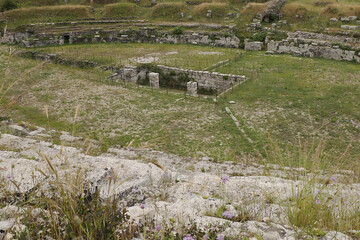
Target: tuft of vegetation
{"x":295,"y":11}
{"x":7,"y":5}
{"x":50,"y":13}
{"x":218,"y":10}
{"x":168,"y":11}
{"x":120,"y":10}
{"x":340,"y":10}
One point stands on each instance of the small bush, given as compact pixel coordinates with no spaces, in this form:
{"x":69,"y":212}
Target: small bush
{"x":178,"y":31}
{"x":217,"y":9}
{"x":8,"y":5}
{"x":120,"y":10}
{"x":168,"y":10}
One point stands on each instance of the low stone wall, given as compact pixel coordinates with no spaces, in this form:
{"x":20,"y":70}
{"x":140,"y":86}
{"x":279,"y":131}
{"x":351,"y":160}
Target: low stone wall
{"x":313,"y":50}
{"x":322,"y":38}
{"x":144,"y":35}
{"x":207,"y":81}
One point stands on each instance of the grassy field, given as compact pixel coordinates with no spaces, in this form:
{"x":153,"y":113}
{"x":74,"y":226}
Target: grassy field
{"x":300,"y":14}
{"x":182,"y":56}
{"x":288,"y":101}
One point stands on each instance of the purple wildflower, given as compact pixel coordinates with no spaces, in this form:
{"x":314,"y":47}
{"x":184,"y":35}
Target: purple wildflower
{"x":206,"y":237}
{"x":333,"y":178}
{"x":224,"y":179}
{"x":191,"y":193}
{"x":142,"y":206}
{"x":10,"y":176}
{"x":134,"y":190}
{"x":220,"y":237}
{"x":352,"y":122}
{"x":158,"y":227}
{"x":317,"y":201}
{"x":188,"y":237}
{"x":227,"y":214}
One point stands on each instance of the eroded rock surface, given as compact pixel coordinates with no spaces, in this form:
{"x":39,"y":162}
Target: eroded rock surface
{"x":159,"y":186}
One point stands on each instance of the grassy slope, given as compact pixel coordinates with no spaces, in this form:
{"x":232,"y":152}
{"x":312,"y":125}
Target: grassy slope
{"x":289,"y":98}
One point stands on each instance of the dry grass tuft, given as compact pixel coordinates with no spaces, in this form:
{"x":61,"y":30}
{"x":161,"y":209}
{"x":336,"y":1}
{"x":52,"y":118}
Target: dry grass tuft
{"x":48,"y":12}
{"x":254,"y":8}
{"x":338,"y":10}
{"x":120,"y":10}
{"x":218,"y":9}
{"x":168,"y":10}
{"x":292,"y":9}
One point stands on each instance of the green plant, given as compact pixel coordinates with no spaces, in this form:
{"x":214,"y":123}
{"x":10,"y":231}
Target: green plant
{"x":8,"y":5}
{"x":178,"y":31}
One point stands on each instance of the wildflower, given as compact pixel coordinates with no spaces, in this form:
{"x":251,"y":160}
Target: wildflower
{"x":142,"y":206}
{"x":333,"y":178}
{"x":134,"y":190}
{"x":352,"y":122}
{"x":158,"y":227}
{"x":188,"y":237}
{"x":10,"y":176}
{"x":191,"y":193}
{"x":227,"y":214}
{"x":317,"y":201}
{"x":206,"y":237}
{"x":220,"y":237}
{"x":224,"y":179}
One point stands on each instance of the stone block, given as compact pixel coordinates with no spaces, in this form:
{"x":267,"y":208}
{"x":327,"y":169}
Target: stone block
{"x":154,"y":79}
{"x":192,"y":88}
{"x":253,"y":46}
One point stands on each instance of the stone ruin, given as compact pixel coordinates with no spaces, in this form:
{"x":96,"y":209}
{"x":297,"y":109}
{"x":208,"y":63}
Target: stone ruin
{"x":154,"y":79}
{"x":191,"y":88}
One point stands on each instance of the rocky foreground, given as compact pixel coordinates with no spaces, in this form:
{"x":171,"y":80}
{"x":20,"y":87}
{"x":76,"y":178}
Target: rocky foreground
{"x":164,"y":188}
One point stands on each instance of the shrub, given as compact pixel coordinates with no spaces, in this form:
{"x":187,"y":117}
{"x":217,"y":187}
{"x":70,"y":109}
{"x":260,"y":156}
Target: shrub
{"x":168,"y":10}
{"x":178,"y":31}
{"x":120,"y":10}
{"x":217,"y":9}
{"x":8,"y":5}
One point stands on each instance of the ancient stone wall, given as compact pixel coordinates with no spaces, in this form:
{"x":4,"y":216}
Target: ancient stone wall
{"x":313,"y":50}
{"x":146,"y":35}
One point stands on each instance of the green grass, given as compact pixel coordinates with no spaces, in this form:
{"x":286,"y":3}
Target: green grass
{"x":121,"y":10}
{"x":300,"y":98}
{"x":182,"y":56}
{"x":23,"y":16}
{"x":286,"y":101}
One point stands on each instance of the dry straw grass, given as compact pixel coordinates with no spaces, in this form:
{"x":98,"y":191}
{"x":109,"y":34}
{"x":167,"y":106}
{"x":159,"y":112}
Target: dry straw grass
{"x":292,"y":9}
{"x":338,"y":10}
{"x":218,"y":9}
{"x":254,"y":8}
{"x":168,"y":10}
{"x":120,"y":10}
{"x":48,"y":12}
